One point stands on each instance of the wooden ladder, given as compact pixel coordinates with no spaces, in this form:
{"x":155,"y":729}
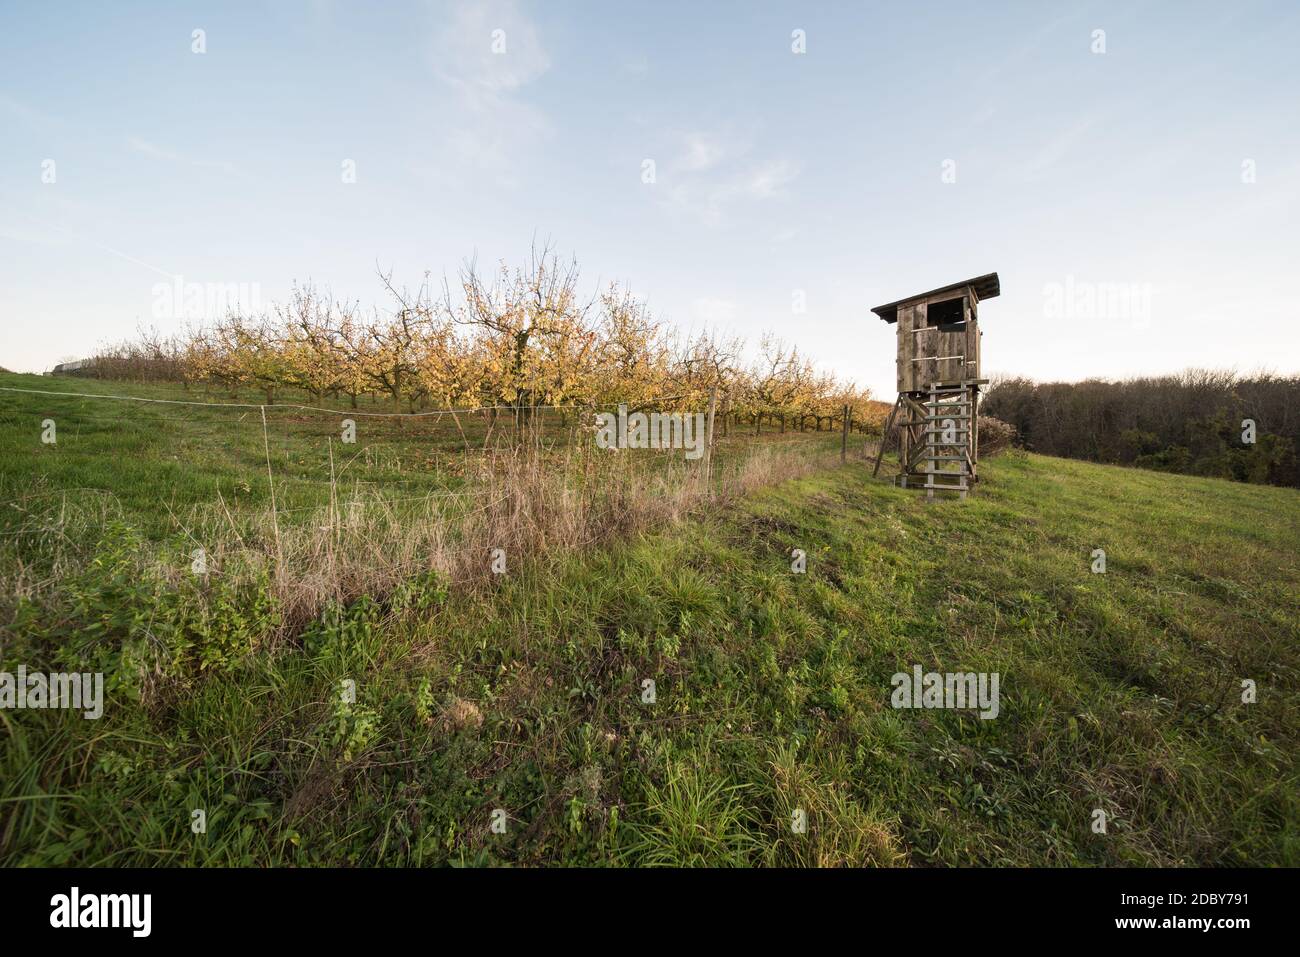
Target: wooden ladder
{"x":948,"y":421}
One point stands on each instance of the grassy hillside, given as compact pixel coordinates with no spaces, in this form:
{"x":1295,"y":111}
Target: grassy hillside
{"x":1119,"y":691}
{"x":197,"y":458}
{"x":289,"y":515}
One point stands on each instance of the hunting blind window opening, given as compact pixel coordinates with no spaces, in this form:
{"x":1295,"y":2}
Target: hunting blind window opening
{"x":950,"y":312}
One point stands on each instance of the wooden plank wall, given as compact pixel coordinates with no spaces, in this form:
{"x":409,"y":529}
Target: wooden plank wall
{"x":918,"y":376}
{"x":948,"y":344}
{"x":905,"y":348}
{"x":924,"y":346}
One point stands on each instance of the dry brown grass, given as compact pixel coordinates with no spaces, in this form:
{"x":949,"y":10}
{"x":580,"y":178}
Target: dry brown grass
{"x":533,"y":506}
{"x":462,"y":714}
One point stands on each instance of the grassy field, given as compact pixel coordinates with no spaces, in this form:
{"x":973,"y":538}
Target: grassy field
{"x":159,"y":466}
{"x":171,"y":466}
{"x":522,"y":699}
{"x":180,"y":470}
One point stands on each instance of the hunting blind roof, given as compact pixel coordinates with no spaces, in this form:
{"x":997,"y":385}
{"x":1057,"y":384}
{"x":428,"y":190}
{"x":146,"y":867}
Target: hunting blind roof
{"x":986,"y":287}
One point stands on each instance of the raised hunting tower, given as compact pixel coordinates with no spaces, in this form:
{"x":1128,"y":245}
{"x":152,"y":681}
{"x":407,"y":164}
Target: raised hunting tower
{"x":938,"y":385}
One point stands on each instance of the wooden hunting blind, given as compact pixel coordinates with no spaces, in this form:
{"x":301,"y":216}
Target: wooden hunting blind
{"x":938,"y":384}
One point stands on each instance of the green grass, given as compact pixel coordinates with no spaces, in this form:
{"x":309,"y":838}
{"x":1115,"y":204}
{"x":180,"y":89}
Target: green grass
{"x":1119,"y":691}
{"x":168,"y":468}
{"x":155,"y":465}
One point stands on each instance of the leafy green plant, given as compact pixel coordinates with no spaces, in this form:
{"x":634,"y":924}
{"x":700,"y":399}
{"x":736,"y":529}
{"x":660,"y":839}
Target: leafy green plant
{"x":353,"y":728}
{"x":693,"y":819}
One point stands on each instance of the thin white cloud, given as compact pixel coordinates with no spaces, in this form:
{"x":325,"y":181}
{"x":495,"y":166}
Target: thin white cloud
{"x":154,"y":151}
{"x":46,"y":238}
{"x":770,"y":179}
{"x":151,"y":149}
{"x":488,"y":53}
{"x":24,"y":112}
{"x":713,"y":173}
{"x":710,"y":202}
{"x":702,"y":152}
{"x":1057,"y":148}
{"x":489,"y":50}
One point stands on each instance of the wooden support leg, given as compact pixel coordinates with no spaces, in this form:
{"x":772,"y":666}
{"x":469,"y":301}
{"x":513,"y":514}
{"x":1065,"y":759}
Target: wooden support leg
{"x":904,"y":448}
{"x":884,"y":436}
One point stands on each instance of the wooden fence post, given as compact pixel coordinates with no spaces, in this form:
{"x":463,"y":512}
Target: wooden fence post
{"x":708,"y":448}
{"x":844,"y":435}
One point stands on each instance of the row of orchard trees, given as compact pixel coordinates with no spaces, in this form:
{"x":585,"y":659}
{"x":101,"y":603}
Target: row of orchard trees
{"x":512,"y":338}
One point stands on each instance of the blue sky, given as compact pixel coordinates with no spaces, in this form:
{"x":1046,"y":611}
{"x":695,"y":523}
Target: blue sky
{"x":1166,"y":167}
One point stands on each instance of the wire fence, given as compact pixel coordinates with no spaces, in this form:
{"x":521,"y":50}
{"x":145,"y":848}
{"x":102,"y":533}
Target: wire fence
{"x":198,"y":461}
{"x":346,"y":413}
{"x":332,"y":518}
